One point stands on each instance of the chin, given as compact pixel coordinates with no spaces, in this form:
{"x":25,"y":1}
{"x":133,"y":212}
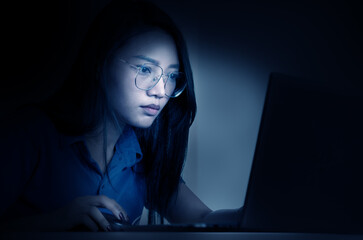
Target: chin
{"x":145,"y":123}
{"x":143,"y":126}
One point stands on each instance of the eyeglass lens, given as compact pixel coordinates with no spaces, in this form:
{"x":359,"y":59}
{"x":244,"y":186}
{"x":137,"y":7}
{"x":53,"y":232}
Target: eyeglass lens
{"x":149,"y":75}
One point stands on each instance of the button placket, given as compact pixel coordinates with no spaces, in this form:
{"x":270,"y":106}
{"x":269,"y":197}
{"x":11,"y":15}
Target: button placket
{"x":102,"y":186}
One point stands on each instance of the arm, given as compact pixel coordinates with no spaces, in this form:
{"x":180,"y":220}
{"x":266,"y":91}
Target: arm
{"x":186,"y":207}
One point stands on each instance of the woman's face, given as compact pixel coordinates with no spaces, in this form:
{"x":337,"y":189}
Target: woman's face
{"x":134,"y":106}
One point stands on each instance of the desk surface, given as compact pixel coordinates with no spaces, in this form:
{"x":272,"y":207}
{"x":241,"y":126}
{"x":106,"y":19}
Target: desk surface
{"x":176,"y":236}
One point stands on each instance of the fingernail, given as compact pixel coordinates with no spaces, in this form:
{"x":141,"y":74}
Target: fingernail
{"x":108,"y":228}
{"x":122,"y":216}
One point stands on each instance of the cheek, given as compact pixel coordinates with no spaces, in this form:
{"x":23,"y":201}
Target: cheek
{"x":119,"y":86}
{"x":118,"y":80}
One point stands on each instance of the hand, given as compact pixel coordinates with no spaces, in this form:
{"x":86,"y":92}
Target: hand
{"x":84,"y":211}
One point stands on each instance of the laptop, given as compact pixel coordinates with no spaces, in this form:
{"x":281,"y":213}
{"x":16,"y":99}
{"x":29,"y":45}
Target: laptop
{"x":307,"y":170}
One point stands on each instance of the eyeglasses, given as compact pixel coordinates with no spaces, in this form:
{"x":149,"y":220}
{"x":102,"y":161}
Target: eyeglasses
{"x":148,"y":75}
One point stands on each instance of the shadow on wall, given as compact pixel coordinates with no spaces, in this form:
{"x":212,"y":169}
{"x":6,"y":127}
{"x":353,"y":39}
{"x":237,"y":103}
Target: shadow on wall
{"x":312,"y":39}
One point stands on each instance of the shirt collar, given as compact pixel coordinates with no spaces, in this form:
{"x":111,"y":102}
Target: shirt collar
{"x":126,"y":144}
{"x":67,"y":140}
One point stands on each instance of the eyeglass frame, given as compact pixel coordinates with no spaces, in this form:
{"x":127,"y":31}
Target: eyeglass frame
{"x":161,"y":76}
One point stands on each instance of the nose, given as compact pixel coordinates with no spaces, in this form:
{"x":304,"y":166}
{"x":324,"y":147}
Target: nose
{"x":159,"y":89}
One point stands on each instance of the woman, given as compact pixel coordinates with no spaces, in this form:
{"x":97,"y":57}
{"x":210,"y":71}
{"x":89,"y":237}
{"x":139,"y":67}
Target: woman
{"x":114,"y":137}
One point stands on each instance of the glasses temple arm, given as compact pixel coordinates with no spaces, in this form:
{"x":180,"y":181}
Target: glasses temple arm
{"x":132,"y":65}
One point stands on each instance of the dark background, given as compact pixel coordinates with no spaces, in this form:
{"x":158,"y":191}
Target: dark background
{"x":233,"y":47}
{"x":319,"y":39}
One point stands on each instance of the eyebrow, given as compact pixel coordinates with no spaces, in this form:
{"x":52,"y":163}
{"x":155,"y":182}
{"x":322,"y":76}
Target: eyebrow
{"x":153,"y":61}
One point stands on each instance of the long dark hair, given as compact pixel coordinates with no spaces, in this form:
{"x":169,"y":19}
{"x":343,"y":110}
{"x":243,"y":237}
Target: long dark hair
{"x":81,"y":104}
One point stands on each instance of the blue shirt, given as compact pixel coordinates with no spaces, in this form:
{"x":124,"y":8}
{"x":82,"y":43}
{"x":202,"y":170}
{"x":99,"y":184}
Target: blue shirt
{"x":43,"y":170}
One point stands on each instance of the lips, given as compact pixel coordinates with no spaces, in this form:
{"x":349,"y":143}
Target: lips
{"x":153,"y":106}
{"x":151,"y":109}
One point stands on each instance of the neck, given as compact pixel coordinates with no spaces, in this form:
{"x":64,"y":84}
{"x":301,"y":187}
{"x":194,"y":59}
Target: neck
{"x":95,"y":142}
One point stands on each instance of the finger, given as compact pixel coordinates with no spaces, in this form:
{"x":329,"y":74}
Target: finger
{"x":112,"y":205}
{"x":98,"y":217}
{"x":89,"y":223}
{"x":118,"y":211}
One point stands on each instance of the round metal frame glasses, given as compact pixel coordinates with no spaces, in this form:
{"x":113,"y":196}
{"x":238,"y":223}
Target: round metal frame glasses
{"x":148,"y":75}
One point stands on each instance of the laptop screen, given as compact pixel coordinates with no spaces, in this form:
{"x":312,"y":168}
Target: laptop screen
{"x":307,"y":170}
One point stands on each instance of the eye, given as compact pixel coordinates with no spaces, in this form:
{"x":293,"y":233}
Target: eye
{"x":144,"y":70}
{"x":173,"y":76}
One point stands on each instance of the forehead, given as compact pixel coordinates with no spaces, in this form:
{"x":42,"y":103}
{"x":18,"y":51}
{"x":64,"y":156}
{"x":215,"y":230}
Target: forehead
{"x":155,"y":44}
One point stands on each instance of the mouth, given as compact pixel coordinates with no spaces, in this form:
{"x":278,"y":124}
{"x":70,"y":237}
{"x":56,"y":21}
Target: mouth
{"x":151,"y":109}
